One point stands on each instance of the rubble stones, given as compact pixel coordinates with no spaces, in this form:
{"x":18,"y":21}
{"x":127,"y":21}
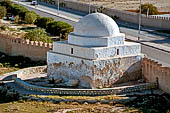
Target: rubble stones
{"x":72,"y":83}
{"x":92,"y":101}
{"x":104,"y":101}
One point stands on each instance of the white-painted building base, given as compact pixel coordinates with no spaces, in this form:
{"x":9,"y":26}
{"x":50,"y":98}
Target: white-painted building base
{"x":98,"y":59}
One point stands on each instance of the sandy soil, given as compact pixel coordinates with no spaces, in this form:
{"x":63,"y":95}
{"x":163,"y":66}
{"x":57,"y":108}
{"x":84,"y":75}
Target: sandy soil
{"x":162,"y":5}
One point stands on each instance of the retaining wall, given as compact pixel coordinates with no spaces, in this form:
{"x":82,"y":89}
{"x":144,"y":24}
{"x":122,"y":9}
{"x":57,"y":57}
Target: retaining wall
{"x":85,"y":92}
{"x":18,"y":75}
{"x":153,"y":21}
{"x":154,"y":72}
{"x":13,"y":46}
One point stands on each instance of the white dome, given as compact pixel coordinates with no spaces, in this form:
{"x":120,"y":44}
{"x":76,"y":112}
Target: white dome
{"x":96,"y":25}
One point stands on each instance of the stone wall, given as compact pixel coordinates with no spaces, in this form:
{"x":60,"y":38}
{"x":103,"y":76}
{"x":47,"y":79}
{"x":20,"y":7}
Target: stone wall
{"x":154,"y":72}
{"x":13,"y":46}
{"x":160,"y":22}
{"x":98,"y":73}
{"x":85,"y":92}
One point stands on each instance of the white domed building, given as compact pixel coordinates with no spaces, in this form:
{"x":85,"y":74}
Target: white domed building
{"x":96,"y":54}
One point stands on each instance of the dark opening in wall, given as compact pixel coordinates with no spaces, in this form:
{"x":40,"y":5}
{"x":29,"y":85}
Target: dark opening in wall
{"x":71,"y":50}
{"x":117,"y":51}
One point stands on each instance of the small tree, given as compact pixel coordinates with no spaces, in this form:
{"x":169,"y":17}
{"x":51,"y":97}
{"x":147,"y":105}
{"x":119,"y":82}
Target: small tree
{"x":64,"y":33}
{"x":58,"y":28}
{"x":3,"y":11}
{"x":30,"y":17}
{"x":100,"y":9}
{"x":16,"y":19}
{"x":152,"y":9}
{"x":38,"y":35}
{"x":7,"y":4}
{"x":44,"y":21}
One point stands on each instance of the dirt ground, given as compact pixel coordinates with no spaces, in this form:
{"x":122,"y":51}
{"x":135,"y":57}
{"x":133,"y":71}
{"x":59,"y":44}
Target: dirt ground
{"x":162,"y":5}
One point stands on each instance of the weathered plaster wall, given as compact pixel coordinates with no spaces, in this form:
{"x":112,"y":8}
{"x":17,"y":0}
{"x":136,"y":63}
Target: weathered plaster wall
{"x":18,"y":47}
{"x":117,"y":70}
{"x":94,"y":73}
{"x":154,"y":72}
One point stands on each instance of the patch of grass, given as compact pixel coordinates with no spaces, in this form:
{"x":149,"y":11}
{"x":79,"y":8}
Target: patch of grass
{"x":14,"y":63}
{"x":12,"y":29}
{"x":109,"y":97}
{"x":150,"y":104}
{"x":47,"y":107}
{"x":7,"y":70}
{"x":27,"y":29}
{"x":4,"y":27}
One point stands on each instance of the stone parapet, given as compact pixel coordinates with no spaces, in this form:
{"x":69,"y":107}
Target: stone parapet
{"x":19,"y":47}
{"x":125,"y":49}
{"x":155,"y":72}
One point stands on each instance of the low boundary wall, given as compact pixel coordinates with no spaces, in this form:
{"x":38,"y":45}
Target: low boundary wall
{"x":18,"y":75}
{"x":13,"y":46}
{"x":155,"y":72}
{"x":153,"y":21}
{"x":85,"y":92}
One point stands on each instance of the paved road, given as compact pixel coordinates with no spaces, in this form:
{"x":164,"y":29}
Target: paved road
{"x":147,"y":33}
{"x":129,"y":29}
{"x":157,"y":55}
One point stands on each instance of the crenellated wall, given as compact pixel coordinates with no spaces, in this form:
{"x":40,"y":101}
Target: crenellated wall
{"x":13,"y":46}
{"x":154,"y":72}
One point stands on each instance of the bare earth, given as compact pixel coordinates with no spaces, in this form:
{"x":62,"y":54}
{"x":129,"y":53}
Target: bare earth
{"x":162,"y":5}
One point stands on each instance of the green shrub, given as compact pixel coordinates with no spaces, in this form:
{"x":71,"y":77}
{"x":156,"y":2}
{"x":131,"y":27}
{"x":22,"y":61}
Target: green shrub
{"x":2,"y":11}
{"x":16,"y":19}
{"x":19,"y":10}
{"x":115,"y":17}
{"x":30,"y":17}
{"x":58,"y":28}
{"x":64,"y":33}
{"x":152,"y":9}
{"x":7,"y":4}
{"x":43,"y":22}
{"x":4,"y":27}
{"x":38,"y":35}
{"x":100,"y":9}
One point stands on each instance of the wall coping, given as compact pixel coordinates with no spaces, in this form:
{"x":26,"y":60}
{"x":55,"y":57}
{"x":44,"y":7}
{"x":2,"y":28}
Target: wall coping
{"x":14,"y":39}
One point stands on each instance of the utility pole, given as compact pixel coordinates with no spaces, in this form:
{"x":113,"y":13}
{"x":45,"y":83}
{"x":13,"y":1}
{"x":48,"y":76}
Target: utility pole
{"x":89,"y":6}
{"x":147,"y":12}
{"x":139,"y":21}
{"x":58,"y":6}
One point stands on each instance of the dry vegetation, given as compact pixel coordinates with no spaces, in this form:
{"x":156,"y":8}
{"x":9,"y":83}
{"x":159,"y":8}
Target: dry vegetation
{"x":108,"y":97}
{"x":47,"y":107}
{"x":162,"y":5}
